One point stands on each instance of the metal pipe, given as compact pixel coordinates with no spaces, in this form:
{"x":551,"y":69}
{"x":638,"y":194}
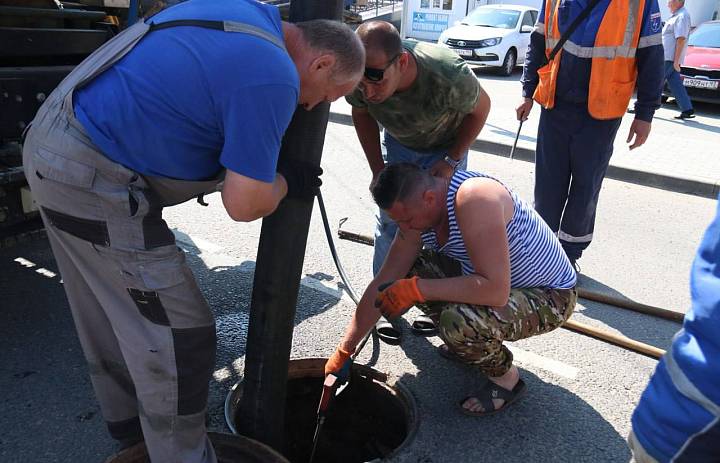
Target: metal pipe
{"x":356,"y":237}
{"x":276,"y":283}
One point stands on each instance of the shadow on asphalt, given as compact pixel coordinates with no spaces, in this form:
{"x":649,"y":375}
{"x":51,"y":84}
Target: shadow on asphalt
{"x":711,"y":110}
{"x":509,"y":133}
{"x":694,"y":123}
{"x":46,"y":392}
{"x":484,"y":73}
{"x":651,"y":330}
{"x":228,"y":290}
{"x":47,"y":399}
{"x":550,"y":423}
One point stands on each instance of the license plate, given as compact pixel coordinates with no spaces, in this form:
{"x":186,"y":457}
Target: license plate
{"x":701,"y":83}
{"x":463,"y":51}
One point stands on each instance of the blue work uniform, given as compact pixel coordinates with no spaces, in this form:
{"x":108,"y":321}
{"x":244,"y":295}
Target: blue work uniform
{"x":186,"y":104}
{"x":678,"y":417}
{"x":574,"y":149}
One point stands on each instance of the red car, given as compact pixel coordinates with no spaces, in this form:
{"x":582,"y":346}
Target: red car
{"x":700,"y":70}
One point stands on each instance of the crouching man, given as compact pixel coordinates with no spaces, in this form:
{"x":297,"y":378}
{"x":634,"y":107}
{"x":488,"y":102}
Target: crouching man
{"x":477,"y":260}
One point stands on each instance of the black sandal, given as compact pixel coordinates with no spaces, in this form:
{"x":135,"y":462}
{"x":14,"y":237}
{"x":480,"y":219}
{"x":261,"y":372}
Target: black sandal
{"x":388,"y":333}
{"x":492,"y":391}
{"x":424,"y":326}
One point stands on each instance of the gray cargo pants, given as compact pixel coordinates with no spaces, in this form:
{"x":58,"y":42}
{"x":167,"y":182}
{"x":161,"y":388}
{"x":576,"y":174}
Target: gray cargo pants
{"x":146,"y":330}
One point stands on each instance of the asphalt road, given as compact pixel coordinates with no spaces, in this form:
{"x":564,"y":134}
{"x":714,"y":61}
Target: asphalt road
{"x":581,"y":391}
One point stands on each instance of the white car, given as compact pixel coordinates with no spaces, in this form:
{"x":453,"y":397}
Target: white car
{"x":493,"y":36}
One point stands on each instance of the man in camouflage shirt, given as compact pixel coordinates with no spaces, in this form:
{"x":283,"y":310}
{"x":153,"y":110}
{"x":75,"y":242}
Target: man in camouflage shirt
{"x":429,"y":102}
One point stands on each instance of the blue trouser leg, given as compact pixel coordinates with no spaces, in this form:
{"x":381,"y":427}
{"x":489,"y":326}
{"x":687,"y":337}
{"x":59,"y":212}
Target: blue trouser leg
{"x":575,"y":149}
{"x":552,"y":165}
{"x":676,"y":87}
{"x":385,"y":228}
{"x":591,"y":148}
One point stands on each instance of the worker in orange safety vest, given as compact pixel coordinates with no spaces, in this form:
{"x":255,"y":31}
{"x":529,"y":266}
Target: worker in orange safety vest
{"x":584,"y":92}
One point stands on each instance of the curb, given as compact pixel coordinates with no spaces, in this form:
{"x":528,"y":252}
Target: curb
{"x":676,"y":184}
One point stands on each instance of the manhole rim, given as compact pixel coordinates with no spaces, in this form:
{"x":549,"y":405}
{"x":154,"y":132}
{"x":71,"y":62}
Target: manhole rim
{"x":397,"y":388}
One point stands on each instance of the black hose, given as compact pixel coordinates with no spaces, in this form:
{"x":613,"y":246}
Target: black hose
{"x":341,"y":270}
{"x":343,"y":276}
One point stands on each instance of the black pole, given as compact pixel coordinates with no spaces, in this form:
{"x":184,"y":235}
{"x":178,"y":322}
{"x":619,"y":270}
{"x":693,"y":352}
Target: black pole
{"x":281,"y":252}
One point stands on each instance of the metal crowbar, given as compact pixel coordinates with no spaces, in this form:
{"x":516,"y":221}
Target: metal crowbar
{"x":328,"y":393}
{"x":517,"y":135}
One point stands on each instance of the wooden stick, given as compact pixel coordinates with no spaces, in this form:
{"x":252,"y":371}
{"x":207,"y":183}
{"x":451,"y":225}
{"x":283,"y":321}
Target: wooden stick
{"x":624,"y":303}
{"x":616,"y":339}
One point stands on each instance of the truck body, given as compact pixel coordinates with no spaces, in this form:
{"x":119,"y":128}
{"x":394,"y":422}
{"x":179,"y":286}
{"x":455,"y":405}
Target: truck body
{"x":42,"y":41}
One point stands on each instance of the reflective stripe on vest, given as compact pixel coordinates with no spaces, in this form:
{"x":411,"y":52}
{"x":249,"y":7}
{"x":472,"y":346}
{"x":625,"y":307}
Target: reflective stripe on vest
{"x":613,"y":70}
{"x":683,"y":384}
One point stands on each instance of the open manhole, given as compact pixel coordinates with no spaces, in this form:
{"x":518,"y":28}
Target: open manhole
{"x":228,"y":448}
{"x":370,"y":420}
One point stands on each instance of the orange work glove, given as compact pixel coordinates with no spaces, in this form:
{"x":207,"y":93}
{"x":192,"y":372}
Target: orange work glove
{"x":396,"y":298}
{"x":339,"y":364}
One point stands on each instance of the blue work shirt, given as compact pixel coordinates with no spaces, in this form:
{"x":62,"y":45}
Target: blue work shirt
{"x":573,"y":80}
{"x":187,"y":101}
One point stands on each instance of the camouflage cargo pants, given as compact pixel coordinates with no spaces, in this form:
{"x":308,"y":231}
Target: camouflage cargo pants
{"x":476,"y":333}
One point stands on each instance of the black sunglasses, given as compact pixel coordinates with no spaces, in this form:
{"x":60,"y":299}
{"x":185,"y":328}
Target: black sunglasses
{"x":376,"y":75}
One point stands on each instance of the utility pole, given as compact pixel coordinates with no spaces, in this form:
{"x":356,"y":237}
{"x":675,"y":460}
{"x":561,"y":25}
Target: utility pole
{"x":280,"y":258}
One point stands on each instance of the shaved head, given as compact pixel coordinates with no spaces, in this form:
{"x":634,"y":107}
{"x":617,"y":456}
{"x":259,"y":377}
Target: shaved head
{"x":400,"y":182}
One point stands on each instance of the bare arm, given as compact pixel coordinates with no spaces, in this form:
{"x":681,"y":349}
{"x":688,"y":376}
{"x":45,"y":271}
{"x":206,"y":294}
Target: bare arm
{"x":368,"y":133}
{"x":468,"y":131}
{"x":246,"y":199}
{"x":679,"y":47}
{"x":399,"y":260}
{"x":483,"y":208}
{"x":471,"y":126}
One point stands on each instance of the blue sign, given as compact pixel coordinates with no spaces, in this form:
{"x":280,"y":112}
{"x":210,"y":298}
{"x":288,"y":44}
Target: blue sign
{"x":429,"y":22}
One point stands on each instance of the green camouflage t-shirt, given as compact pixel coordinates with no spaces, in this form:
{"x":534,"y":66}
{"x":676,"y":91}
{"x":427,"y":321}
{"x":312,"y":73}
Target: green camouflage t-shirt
{"x":426,"y":116}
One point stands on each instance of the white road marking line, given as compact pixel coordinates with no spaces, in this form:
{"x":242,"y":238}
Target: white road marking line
{"x":45,"y":272}
{"x":24,"y":262}
{"x":42,"y":271}
{"x":534,"y":360}
{"x":199,"y":243}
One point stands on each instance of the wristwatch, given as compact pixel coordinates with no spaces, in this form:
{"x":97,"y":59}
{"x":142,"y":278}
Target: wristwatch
{"x":453,"y":163}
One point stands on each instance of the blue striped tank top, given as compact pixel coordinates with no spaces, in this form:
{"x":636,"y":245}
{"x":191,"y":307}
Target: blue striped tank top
{"x":537,"y":259}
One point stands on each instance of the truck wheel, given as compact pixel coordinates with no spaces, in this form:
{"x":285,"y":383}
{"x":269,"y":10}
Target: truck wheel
{"x":509,"y":63}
